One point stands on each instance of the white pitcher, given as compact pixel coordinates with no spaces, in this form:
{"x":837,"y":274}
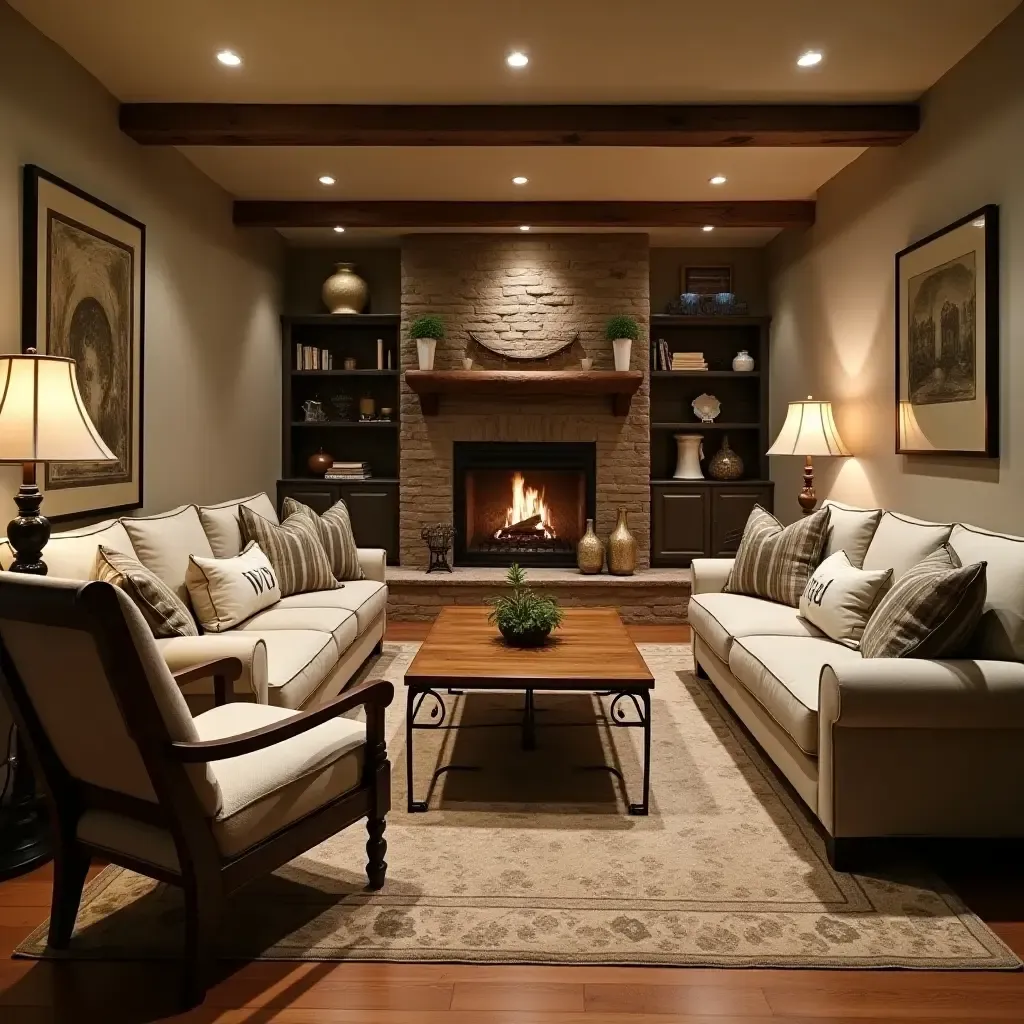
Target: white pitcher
{"x":689,"y":452}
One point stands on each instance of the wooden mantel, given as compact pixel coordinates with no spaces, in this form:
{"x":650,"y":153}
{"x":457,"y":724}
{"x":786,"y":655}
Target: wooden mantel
{"x":430,"y":385}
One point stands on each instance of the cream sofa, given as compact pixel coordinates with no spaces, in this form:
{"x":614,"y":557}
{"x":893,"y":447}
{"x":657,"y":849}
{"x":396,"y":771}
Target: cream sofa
{"x":296,"y":654}
{"x":879,"y":747}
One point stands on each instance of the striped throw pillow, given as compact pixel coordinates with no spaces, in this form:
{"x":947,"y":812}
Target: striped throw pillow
{"x":161,"y":607}
{"x":930,"y":612}
{"x":335,"y":530}
{"x":775,"y":562}
{"x":293,"y":549}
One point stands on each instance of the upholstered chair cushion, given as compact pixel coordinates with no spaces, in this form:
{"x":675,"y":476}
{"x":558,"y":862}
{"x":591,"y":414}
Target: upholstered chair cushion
{"x":222,"y":522}
{"x":850,"y":529}
{"x":160,"y":606}
{"x":775,"y":562}
{"x":901,"y":542}
{"x":930,"y":612}
{"x":839,"y":599}
{"x":294,"y":549}
{"x":227,"y":591}
{"x":335,"y":529}
{"x":163,"y":544}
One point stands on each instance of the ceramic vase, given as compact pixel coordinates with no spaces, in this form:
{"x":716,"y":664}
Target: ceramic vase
{"x":725,"y":464}
{"x":621,"y":348}
{"x":345,"y":291}
{"x":743,"y":361}
{"x":621,"y":548}
{"x":425,"y":348}
{"x":320,"y":462}
{"x":590,"y":552}
{"x":689,"y":452}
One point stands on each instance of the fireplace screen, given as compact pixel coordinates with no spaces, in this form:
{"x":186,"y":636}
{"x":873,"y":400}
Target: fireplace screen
{"x":525,"y":503}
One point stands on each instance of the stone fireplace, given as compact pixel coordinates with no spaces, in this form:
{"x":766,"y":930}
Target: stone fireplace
{"x":523,"y":289}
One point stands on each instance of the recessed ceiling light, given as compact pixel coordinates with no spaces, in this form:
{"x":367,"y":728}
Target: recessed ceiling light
{"x":708,"y":227}
{"x":517,"y":59}
{"x":978,"y":222}
{"x":229,"y":58}
{"x":718,"y":179}
{"x":809,"y":59}
{"x":340,"y":230}
{"x":524,"y":227}
{"x":325,"y":179}
{"x":519,"y":180}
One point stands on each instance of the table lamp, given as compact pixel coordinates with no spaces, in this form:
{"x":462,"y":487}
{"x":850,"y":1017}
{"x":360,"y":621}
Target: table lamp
{"x":809,"y":430}
{"x":42,"y":419}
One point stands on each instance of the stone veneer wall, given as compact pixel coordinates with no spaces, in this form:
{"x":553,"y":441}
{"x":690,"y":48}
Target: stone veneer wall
{"x":526,"y":287}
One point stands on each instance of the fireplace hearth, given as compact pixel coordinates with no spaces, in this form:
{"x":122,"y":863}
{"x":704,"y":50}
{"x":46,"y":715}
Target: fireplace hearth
{"x":524,"y":502}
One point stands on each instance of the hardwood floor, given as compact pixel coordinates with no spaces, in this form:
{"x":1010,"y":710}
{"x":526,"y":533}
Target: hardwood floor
{"x":331,"y":993}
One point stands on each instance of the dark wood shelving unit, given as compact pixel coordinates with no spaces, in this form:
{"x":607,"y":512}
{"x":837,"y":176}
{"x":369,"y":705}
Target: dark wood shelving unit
{"x":372,"y":503}
{"x":705,"y":518}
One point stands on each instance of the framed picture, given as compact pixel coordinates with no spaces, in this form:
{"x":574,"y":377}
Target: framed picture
{"x":706,"y":280}
{"x":84,"y":297}
{"x":947,"y":340}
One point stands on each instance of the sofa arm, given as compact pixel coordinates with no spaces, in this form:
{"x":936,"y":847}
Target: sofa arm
{"x":182,"y":652}
{"x":710,"y":574}
{"x":911,"y":693}
{"x":372,"y":562}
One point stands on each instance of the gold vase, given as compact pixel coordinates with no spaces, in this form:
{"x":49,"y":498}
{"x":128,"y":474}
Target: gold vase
{"x":590,"y":551}
{"x":621,"y":548}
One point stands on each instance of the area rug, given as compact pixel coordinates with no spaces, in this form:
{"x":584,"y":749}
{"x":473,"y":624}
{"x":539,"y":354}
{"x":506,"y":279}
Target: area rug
{"x":532,"y":858}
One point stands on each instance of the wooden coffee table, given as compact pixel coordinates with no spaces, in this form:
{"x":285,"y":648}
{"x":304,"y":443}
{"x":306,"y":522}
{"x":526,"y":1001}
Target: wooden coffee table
{"x":591,"y":652}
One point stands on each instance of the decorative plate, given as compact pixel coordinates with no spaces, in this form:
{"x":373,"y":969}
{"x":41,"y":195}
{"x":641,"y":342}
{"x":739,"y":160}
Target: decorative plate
{"x":707,"y":407}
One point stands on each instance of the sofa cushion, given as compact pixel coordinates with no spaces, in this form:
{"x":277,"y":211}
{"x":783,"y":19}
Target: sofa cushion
{"x":222,"y":525}
{"x":298,"y":661}
{"x":1000,"y":632}
{"x":839,"y":599}
{"x":900,"y":542}
{"x":163,"y":543}
{"x":782,"y":673}
{"x":850,"y":529}
{"x":72,"y":555}
{"x":341,"y":624}
{"x":226,"y":591}
{"x":335,"y":530}
{"x":294,"y":549}
{"x":718,"y":618}
{"x":366,"y":598}
{"x":269,"y":789}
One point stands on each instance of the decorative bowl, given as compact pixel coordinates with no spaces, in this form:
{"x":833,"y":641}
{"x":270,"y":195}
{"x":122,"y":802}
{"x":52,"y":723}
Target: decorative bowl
{"x":707,"y":407}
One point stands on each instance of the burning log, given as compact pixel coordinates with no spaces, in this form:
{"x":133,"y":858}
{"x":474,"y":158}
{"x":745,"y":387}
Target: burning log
{"x":530,"y":523}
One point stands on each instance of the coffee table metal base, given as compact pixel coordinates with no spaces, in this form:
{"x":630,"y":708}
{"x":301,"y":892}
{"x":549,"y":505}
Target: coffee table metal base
{"x":630,"y":709}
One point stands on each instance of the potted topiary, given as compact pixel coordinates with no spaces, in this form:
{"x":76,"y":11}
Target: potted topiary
{"x":427,"y":330}
{"x":523,"y":618}
{"x":622,"y":331}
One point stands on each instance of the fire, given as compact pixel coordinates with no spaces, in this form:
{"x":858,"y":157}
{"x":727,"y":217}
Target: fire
{"x":527,"y":511}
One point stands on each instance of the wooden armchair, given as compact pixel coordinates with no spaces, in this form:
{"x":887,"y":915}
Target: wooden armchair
{"x":208,"y":803}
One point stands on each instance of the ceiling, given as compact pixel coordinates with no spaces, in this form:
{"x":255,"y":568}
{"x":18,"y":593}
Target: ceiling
{"x":581,"y":51}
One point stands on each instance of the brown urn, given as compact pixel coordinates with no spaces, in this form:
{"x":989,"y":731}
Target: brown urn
{"x":320,"y":462}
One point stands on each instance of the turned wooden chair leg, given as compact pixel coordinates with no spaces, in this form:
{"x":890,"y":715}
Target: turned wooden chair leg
{"x":70,"y":867}
{"x":376,"y":848}
{"x":203,"y":912}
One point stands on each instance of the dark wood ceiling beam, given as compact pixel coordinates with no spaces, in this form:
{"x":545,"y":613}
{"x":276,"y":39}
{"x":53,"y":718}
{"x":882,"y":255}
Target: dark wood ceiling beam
{"x":263,"y":124}
{"x":429,"y":214}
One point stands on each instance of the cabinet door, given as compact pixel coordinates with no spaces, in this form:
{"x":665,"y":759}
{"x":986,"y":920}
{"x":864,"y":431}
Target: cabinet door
{"x":681,"y":524}
{"x":373,"y":510}
{"x":319,"y":497}
{"x":730,"y":509}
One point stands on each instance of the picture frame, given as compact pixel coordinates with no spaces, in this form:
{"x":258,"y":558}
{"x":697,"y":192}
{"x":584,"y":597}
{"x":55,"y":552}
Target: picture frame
{"x":947,"y":340}
{"x":83,"y":296}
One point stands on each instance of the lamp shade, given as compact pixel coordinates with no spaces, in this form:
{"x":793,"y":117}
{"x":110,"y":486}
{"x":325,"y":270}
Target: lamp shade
{"x":42,"y":415}
{"x":809,"y":430}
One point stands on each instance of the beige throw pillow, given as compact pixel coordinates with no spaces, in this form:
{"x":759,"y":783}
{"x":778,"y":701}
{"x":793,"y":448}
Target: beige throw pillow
{"x":774,"y":562}
{"x":839,"y":598}
{"x":160,"y":606}
{"x":227,"y":591}
{"x":335,"y":530}
{"x":294,"y":550}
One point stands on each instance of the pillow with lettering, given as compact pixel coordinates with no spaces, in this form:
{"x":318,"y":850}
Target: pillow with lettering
{"x":227,"y":591}
{"x":839,"y":598}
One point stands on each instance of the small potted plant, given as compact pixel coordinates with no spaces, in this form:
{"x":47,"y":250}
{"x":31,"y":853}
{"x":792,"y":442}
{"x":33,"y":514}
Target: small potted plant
{"x":427,"y":330}
{"x":523,"y":618}
{"x":622,"y":331}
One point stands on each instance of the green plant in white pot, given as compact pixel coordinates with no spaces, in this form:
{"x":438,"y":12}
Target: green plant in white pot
{"x":622,"y":331}
{"x":427,"y":330}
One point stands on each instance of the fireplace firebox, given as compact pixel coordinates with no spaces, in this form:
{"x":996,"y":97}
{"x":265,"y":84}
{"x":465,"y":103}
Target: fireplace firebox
{"x":524,"y":502}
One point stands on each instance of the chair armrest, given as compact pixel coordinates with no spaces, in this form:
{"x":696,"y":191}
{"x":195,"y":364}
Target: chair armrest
{"x":183,"y":653}
{"x":912,"y":693}
{"x":223,"y":671}
{"x":709,"y":574}
{"x":377,"y":694}
{"x":372,"y":562}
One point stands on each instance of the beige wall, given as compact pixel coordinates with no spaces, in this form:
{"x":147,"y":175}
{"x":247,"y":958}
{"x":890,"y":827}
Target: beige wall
{"x":749,"y":273}
{"x":832,"y":295}
{"x":212,"y":364}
